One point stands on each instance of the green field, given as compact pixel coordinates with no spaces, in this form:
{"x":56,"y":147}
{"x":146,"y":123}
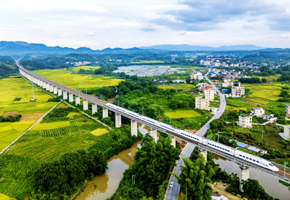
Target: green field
{"x":12,"y":88}
{"x":72,"y":80}
{"x":99,"y":131}
{"x":182,"y":114}
{"x":177,"y":87}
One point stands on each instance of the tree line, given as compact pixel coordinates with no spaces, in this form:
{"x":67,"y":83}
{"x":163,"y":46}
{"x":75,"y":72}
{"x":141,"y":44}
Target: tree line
{"x":10,"y":118}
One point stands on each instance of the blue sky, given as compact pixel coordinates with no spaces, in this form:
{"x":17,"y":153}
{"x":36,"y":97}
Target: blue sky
{"x":106,"y":23}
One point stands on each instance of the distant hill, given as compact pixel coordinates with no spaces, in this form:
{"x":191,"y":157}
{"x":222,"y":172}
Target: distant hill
{"x":186,"y":47}
{"x":20,"y":47}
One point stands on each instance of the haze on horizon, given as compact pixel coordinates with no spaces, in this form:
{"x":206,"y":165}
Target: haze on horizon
{"x":129,"y":23}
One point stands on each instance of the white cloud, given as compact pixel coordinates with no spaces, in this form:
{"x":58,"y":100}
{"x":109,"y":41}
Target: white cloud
{"x":129,"y":23}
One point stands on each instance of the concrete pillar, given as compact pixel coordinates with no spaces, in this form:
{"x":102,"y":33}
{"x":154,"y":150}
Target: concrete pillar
{"x":47,"y":86}
{"x":204,"y":153}
{"x":94,"y":108}
{"x":85,"y":104}
{"x":51,"y":88}
{"x":134,"y":128}
{"x":245,"y":174}
{"x":78,"y":100}
{"x":64,"y":94}
{"x":59,"y":92}
{"x":54,"y":90}
{"x":118,"y":121}
{"x":70,"y":97}
{"x":105,"y":113}
{"x":173,"y":141}
{"x":287,"y":132}
{"x":153,"y":133}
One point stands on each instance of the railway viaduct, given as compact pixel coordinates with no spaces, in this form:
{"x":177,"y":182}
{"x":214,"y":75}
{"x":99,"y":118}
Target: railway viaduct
{"x":73,"y":95}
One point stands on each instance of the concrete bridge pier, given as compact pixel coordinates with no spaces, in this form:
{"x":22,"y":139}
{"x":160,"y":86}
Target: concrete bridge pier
{"x":59,"y":91}
{"x":47,"y":86}
{"x":134,"y":128}
{"x":94,"y":108}
{"x":85,"y":104}
{"x":245,"y":174}
{"x":153,"y":133}
{"x":54,"y":90}
{"x":64,"y":94}
{"x":118,"y":121}
{"x":70,"y":97}
{"x":78,"y":100}
{"x":105,"y":113}
{"x":173,"y":141}
{"x":51,"y":88}
{"x":203,"y":152}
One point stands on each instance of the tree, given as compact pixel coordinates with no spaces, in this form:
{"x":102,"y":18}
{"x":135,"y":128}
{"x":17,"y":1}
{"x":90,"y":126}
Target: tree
{"x":188,"y":80}
{"x":194,"y":179}
{"x":152,"y":164}
{"x":264,"y":80}
{"x":253,"y":190}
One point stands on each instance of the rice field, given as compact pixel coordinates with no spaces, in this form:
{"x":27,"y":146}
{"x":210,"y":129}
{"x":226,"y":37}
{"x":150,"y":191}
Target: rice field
{"x":51,"y":125}
{"x":72,"y":115}
{"x":182,"y":114}
{"x":50,"y":144}
{"x":18,"y":88}
{"x":9,"y":131}
{"x":85,"y":68}
{"x":177,"y":87}
{"x":99,"y":131}
{"x":263,"y":93}
{"x":4,"y":197}
{"x":72,"y":80}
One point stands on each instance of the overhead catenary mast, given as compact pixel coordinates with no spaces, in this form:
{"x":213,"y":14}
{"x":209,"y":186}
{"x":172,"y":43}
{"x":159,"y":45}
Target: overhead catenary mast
{"x":32,"y":99}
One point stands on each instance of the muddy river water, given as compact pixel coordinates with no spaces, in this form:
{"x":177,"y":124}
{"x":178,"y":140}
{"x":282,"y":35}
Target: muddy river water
{"x":104,"y":186}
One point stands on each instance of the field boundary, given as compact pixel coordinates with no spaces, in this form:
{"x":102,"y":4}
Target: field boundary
{"x":82,"y":82}
{"x":6,"y":148}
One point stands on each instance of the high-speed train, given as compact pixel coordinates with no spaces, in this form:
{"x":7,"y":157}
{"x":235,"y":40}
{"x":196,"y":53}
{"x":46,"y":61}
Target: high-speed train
{"x":198,"y":139}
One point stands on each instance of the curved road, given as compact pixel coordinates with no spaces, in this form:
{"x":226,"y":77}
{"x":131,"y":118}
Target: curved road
{"x":171,"y":192}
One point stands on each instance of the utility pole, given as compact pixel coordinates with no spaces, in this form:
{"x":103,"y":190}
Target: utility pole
{"x":262,"y":134}
{"x":170,"y":120}
{"x":218,"y":136}
{"x":285,"y":164}
{"x":133,"y":179}
{"x":142,"y":110}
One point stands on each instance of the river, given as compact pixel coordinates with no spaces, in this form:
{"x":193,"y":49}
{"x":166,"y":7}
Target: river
{"x":104,"y":186}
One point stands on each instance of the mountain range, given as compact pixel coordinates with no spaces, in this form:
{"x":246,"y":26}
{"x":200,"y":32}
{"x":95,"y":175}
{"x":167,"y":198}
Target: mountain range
{"x":20,"y":47}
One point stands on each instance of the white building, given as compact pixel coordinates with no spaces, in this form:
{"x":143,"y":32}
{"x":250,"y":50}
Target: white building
{"x":209,"y":94}
{"x":227,"y":83}
{"x":258,"y":111}
{"x":287,"y":132}
{"x":201,"y":103}
{"x":194,"y":75}
{"x":238,"y":91}
{"x":287,"y":110}
{"x":245,"y":121}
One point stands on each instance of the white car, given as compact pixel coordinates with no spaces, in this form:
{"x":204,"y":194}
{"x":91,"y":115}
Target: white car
{"x":171,"y":184}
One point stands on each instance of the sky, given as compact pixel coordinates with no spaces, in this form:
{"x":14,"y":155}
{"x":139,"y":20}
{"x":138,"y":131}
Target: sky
{"x":99,"y":24}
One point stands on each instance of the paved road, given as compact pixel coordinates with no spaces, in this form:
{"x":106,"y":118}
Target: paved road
{"x":171,"y":192}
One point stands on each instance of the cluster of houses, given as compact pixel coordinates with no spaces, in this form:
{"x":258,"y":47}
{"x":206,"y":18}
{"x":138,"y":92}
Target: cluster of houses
{"x":208,"y":91}
{"x":80,"y":63}
{"x":194,"y":75}
{"x":246,"y":121}
{"x":224,"y":74}
{"x":215,"y":62}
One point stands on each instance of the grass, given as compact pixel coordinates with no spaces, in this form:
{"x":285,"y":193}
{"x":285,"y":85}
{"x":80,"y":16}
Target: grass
{"x":72,"y":80}
{"x":4,"y":197}
{"x":51,"y":125}
{"x":99,"y":131}
{"x":182,"y":114}
{"x":177,"y":87}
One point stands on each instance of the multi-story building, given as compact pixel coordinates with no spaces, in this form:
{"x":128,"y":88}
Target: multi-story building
{"x":194,"y":75}
{"x":245,"y":121}
{"x":227,"y":83}
{"x":287,"y":110}
{"x":238,"y":91}
{"x":287,"y":132}
{"x":201,"y":103}
{"x":258,"y":111}
{"x":209,"y":94}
